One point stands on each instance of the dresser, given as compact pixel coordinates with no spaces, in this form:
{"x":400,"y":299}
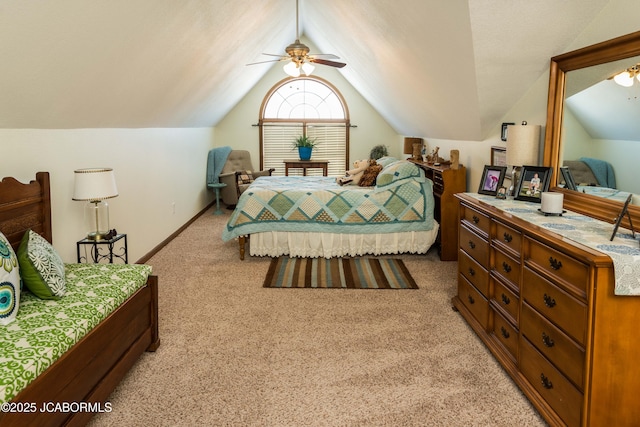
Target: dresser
{"x":545,"y":307}
{"x":446,"y":183}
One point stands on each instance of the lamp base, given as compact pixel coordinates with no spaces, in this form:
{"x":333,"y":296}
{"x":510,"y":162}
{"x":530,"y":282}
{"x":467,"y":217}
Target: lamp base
{"x":97,"y":236}
{"x":97,"y":220}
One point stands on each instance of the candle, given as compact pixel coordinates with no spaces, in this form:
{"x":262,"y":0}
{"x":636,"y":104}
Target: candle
{"x":552,"y":202}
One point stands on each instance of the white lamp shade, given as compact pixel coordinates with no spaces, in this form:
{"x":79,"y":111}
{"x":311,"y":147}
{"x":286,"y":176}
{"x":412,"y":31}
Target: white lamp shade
{"x":292,"y":69}
{"x":523,"y":144}
{"x":624,"y":79}
{"x":307,"y":68}
{"x":94,"y":184}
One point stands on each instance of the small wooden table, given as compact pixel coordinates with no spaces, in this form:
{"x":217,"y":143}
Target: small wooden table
{"x":306,"y":164}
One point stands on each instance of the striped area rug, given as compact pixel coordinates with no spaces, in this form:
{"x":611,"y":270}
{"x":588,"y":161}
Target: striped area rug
{"x":342,"y":273}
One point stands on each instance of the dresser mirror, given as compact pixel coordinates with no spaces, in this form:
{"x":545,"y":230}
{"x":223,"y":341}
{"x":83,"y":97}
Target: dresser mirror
{"x":573,"y":76}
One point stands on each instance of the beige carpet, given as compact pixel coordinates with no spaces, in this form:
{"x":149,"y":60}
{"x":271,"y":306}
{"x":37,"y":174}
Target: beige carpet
{"x":236,"y":354}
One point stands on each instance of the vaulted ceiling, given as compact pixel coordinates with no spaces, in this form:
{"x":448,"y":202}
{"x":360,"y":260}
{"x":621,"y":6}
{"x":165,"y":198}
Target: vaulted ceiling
{"x":441,"y":69}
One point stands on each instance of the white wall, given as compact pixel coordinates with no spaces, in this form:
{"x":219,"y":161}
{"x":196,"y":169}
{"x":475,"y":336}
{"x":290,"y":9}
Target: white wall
{"x":236,"y":128}
{"x":154,"y":168}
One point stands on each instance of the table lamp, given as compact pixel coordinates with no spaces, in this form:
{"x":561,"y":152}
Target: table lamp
{"x":95,"y":185}
{"x":523,"y":144}
{"x":413,"y":146}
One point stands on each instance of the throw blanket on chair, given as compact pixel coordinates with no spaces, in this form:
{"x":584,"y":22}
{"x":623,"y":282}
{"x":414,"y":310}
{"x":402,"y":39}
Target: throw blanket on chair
{"x":215,"y":162}
{"x":602,"y":170}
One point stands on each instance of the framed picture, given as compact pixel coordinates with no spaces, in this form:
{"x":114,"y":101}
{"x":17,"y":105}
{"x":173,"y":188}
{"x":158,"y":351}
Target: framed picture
{"x":503,"y":136}
{"x":498,"y":156}
{"x":502,"y":193}
{"x":491,"y":181}
{"x":619,"y":219}
{"x":569,"y":183}
{"x":534,"y":180}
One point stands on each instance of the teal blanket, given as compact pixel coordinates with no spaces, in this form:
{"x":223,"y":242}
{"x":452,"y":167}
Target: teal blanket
{"x":318,"y":204}
{"x":602,"y":170}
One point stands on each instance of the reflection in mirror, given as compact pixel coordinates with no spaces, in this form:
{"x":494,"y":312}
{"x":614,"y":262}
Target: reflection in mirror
{"x":571,"y":123}
{"x":601,"y":123}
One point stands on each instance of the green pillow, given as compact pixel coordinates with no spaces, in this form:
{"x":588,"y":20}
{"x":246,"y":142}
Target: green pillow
{"x":41,"y":267}
{"x":9,"y":282}
{"x":396,"y":172}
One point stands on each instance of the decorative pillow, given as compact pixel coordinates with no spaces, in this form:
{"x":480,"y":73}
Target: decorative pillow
{"x":9,"y":282}
{"x":397,"y":171}
{"x":370,"y":174}
{"x":385,"y":161}
{"x":245,"y":177}
{"x":41,"y":267}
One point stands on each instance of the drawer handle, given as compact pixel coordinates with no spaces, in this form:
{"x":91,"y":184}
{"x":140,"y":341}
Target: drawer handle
{"x":506,"y":267}
{"x":471,"y":300}
{"x":472,"y":245}
{"x":505,"y":299}
{"x":476,"y":219}
{"x":548,"y":301}
{"x":546,"y":383}
{"x":547,"y":341}
{"x":472,"y":272}
{"x":507,"y":237}
{"x":504,"y":332}
{"x":555,"y":264}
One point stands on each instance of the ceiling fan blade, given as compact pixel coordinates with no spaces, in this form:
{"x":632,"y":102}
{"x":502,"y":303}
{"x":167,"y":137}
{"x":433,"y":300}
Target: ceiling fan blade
{"x":273,"y":54}
{"x":264,"y":62}
{"x":326,"y":55}
{"x":329,"y":63}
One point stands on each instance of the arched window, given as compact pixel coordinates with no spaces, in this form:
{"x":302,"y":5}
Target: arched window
{"x":304,"y":106}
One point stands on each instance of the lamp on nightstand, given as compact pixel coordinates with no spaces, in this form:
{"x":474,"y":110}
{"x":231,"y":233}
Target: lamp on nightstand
{"x":413,"y":146}
{"x":95,"y":185}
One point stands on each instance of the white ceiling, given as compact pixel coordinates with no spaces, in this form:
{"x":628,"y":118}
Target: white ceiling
{"x":439,"y":69}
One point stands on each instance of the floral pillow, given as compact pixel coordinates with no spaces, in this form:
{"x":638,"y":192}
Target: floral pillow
{"x":9,"y":282}
{"x":396,"y":172}
{"x":41,"y":267}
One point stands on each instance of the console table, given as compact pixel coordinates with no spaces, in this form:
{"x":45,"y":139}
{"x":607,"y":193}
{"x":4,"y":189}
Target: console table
{"x":306,"y":164}
{"x":548,"y":306}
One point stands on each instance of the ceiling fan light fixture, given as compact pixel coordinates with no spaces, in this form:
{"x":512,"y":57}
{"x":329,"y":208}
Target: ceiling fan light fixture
{"x":625,"y":78}
{"x":292,"y":69}
{"x":307,"y":68}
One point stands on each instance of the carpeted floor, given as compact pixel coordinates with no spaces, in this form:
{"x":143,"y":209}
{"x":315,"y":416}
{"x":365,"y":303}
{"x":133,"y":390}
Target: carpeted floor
{"x":236,"y":354}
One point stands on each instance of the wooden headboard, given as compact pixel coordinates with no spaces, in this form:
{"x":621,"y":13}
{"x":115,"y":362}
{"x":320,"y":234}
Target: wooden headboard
{"x":24,"y":207}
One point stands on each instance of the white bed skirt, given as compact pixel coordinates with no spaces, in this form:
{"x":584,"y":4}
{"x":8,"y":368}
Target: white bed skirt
{"x":327,"y":245}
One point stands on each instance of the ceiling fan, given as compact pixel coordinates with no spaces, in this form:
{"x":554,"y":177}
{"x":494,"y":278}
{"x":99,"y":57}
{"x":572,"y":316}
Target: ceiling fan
{"x":299,"y":58}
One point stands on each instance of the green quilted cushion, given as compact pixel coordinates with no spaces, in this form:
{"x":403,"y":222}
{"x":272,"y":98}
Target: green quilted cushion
{"x":387,"y":160}
{"x":397,"y":171}
{"x":41,"y":267}
{"x":9,"y":282}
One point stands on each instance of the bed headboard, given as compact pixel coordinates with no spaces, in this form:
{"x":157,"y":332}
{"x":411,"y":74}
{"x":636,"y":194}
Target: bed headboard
{"x":24,"y":207}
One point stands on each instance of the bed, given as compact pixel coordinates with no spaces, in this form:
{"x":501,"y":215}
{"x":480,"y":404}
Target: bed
{"x":316,"y":217}
{"x":74,"y":384}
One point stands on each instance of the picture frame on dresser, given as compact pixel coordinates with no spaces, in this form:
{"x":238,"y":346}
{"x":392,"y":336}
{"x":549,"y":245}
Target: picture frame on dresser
{"x":492,"y":178}
{"x":569,"y":182}
{"x":533,"y":182}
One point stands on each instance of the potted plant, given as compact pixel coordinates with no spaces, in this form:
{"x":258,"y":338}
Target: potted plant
{"x":305,"y":145}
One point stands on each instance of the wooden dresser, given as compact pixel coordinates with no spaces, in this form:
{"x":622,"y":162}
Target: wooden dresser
{"x":446,"y":183}
{"x":545,"y":307}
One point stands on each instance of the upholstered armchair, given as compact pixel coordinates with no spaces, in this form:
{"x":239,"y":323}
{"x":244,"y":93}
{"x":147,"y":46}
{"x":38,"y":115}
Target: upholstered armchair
{"x":234,"y":174}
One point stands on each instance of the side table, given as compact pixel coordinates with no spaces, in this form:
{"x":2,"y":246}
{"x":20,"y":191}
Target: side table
{"x":103,"y":250}
{"x":217,"y":186}
{"x":304,"y":165}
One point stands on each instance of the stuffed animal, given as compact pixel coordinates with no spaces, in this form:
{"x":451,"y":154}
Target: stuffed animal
{"x":352,"y":176}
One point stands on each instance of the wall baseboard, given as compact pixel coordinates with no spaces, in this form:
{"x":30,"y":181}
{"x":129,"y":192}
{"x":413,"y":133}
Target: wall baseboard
{"x":166,"y":241}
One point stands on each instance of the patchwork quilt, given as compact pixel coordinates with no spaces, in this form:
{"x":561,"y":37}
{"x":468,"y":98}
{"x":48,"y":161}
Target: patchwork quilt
{"x":46,"y":329}
{"x":401,"y":201}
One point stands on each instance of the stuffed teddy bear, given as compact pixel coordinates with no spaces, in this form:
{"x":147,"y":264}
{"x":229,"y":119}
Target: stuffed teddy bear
{"x":352,"y":176}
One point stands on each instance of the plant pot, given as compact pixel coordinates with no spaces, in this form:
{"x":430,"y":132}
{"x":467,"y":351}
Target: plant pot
{"x":304,"y":152}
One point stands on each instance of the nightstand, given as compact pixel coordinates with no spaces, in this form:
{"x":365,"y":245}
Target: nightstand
{"x":103,"y":250}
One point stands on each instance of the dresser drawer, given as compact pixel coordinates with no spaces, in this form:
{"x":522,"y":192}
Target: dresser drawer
{"x":473,"y":272}
{"x":505,"y":333}
{"x":475,"y":246}
{"x":566,"y":270}
{"x":508,"y":238}
{"x":475,"y":302}
{"x":476,"y":219}
{"x":438,"y":182}
{"x":506,"y":300}
{"x":506,"y":267}
{"x":563,"y":397}
{"x":566,"y":312}
{"x":561,"y":350}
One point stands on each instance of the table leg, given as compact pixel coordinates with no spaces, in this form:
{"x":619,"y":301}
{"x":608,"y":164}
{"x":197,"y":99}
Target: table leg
{"x":217,"y":211}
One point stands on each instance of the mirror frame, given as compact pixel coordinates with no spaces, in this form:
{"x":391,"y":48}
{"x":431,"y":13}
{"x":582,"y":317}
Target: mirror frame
{"x":611,"y":50}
